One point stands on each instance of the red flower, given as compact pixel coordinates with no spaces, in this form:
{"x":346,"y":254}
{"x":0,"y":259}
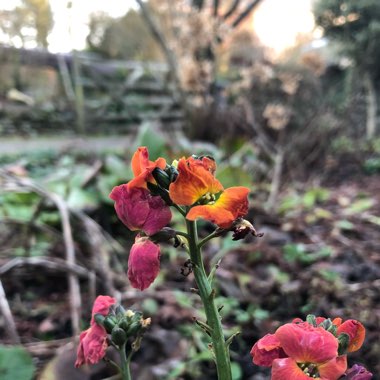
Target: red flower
{"x":355,"y":330}
{"x":139,"y":210}
{"x":266,"y":350}
{"x":312,"y":351}
{"x":92,"y":345}
{"x":93,"y":342}
{"x":142,"y":167}
{"x":143,"y":263}
{"x":196,"y":186}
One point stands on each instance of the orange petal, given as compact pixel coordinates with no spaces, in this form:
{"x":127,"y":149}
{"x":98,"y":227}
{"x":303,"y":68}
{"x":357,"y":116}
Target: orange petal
{"x":333,"y":369}
{"x":356,"y":332}
{"x":193,"y":181}
{"x":142,"y":167}
{"x":232,"y":204}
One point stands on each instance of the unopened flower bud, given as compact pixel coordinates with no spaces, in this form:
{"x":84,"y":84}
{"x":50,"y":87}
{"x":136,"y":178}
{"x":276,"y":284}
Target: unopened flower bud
{"x":161,"y":177}
{"x":344,"y":340}
{"x":163,"y":193}
{"x":99,"y":319}
{"x":118,"y":336}
{"x":109,"y":323}
{"x":358,"y":372}
{"x":119,"y":310}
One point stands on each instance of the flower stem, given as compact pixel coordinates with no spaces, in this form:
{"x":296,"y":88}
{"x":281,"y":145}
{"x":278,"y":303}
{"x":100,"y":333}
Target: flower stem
{"x":125,"y":362}
{"x":206,"y":293}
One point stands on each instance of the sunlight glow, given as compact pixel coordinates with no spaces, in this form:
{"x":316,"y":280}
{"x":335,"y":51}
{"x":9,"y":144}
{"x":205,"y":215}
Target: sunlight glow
{"x":277,"y":22}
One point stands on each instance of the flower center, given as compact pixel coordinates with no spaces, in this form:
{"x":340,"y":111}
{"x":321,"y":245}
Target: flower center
{"x":309,"y":369}
{"x":207,"y":199}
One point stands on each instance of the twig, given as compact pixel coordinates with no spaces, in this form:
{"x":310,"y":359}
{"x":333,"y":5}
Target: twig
{"x":246,"y":12}
{"x":9,"y":321}
{"x":50,"y":263}
{"x":232,"y":9}
{"x":74,"y":289}
{"x":170,"y":57}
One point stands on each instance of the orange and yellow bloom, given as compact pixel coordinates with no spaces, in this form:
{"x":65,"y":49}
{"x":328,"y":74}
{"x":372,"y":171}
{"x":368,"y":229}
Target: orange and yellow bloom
{"x":196,"y":186}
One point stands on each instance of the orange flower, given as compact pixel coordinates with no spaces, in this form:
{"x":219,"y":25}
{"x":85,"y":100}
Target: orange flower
{"x":142,"y":167}
{"x":196,"y":186}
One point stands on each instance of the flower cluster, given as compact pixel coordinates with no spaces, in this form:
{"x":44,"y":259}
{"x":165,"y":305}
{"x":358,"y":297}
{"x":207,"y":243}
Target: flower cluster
{"x":316,"y":348}
{"x":110,"y":324}
{"x":189,"y":185}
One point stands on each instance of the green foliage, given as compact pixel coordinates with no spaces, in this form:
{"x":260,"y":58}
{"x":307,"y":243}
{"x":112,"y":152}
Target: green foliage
{"x":15,"y":363}
{"x":125,"y":38}
{"x":299,"y":253}
{"x":356,"y":26}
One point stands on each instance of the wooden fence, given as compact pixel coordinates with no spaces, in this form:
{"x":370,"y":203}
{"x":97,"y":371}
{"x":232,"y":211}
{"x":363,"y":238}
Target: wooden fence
{"x":112,"y":95}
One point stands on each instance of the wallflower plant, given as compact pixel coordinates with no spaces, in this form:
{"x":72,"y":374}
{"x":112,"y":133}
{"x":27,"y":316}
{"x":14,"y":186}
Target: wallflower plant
{"x":190,"y":187}
{"x":316,"y":348}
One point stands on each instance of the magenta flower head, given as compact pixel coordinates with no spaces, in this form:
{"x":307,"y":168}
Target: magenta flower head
{"x":139,"y":210}
{"x":93,"y":342}
{"x":358,"y":372}
{"x":143,"y":263}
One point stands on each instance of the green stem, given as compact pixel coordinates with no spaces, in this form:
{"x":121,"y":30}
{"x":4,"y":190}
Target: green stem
{"x":125,"y":362}
{"x":206,"y":293}
{"x":208,"y":238}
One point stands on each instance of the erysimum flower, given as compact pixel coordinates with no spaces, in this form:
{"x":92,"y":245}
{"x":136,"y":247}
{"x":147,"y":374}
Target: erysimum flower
{"x":143,"y":263}
{"x":93,"y":342}
{"x":142,"y":167}
{"x":139,"y":210}
{"x":312,"y":351}
{"x":196,"y":186}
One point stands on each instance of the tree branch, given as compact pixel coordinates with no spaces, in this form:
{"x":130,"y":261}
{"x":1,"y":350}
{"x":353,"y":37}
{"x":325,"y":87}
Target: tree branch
{"x":250,"y":7}
{"x":232,"y":9}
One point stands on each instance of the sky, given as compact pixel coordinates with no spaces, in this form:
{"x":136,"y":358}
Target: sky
{"x":276,"y":22}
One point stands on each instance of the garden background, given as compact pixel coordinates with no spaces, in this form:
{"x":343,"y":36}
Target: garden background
{"x":283,"y":94}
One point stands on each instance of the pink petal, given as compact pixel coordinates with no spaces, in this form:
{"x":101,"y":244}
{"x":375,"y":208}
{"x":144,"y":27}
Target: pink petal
{"x":307,"y":344}
{"x":139,"y":210}
{"x":143,"y":263}
{"x":102,"y":306}
{"x":266,"y":350}
{"x":333,"y":369}
{"x":92,"y":345}
{"x":287,"y":369}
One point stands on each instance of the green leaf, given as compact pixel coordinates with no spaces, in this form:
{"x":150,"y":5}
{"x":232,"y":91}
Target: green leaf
{"x":153,"y":140}
{"x":15,"y":363}
{"x":361,"y":205}
{"x":231,"y":176}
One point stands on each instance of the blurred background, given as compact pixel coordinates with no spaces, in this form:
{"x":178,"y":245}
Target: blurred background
{"x":284,"y":95}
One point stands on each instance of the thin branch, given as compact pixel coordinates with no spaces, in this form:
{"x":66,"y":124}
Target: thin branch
{"x":216,"y":7}
{"x":7,"y":314}
{"x":74,"y":289}
{"x":250,"y":7}
{"x":232,"y":9}
{"x":170,"y":57}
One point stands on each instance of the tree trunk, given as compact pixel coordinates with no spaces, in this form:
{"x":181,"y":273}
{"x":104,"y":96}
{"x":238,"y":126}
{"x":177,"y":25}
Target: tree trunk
{"x":371,"y":106}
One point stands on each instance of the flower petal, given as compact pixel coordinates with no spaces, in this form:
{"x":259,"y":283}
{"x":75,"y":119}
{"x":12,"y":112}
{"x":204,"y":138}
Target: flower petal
{"x":142,"y":167}
{"x":102,"y":306}
{"x":139,"y":210}
{"x":307,"y":344}
{"x":194,"y":180}
{"x":92,"y":345}
{"x":232,"y":204}
{"x":266,"y":350}
{"x":287,"y":368}
{"x":333,"y":369}
{"x":358,"y":372}
{"x":143,"y":263}
{"x":355,"y":331}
